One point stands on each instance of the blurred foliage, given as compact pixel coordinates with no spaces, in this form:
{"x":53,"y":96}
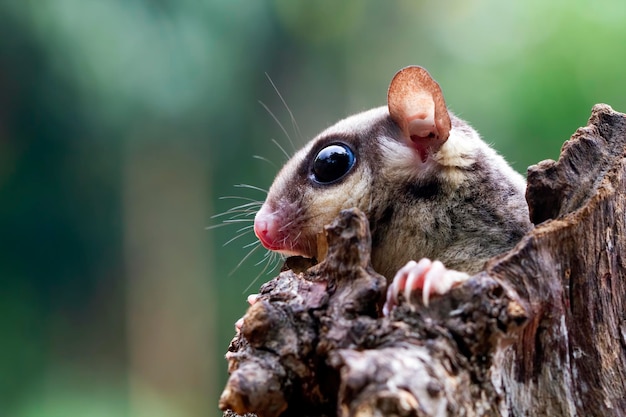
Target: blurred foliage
{"x":95,"y":96}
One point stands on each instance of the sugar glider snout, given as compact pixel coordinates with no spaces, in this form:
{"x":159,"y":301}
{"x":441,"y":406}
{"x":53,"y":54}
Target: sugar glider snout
{"x":266,"y":229}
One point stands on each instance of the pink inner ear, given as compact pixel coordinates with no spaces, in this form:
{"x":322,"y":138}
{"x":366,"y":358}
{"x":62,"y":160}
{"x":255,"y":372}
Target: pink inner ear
{"x":419,"y":116}
{"x":416,"y":104}
{"x":422,"y":125}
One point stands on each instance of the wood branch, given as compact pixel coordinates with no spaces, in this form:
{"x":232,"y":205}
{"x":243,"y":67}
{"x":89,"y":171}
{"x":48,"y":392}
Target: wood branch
{"x":542,"y":331}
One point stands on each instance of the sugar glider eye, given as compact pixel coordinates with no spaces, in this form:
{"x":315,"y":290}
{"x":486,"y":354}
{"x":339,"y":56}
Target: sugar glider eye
{"x":332,"y":163}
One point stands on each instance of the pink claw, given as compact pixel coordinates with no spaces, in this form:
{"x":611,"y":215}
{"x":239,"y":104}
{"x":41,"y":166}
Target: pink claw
{"x":238,"y":325}
{"x":425,"y":276}
{"x":252,"y":298}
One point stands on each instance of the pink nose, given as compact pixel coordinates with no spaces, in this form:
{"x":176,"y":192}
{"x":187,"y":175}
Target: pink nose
{"x":266,"y":229}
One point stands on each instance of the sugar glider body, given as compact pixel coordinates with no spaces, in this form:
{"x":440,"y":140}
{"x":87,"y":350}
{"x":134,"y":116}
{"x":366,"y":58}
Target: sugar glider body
{"x":430,"y":187}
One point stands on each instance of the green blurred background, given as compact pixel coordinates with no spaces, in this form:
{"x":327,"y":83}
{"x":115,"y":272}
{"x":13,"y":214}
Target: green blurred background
{"x":123,"y":121}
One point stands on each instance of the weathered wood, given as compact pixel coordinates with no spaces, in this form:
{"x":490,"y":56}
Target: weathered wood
{"x":571,"y":357}
{"x":542,"y":331}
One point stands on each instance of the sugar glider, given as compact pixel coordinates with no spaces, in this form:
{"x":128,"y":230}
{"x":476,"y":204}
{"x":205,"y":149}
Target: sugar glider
{"x":432,"y":191}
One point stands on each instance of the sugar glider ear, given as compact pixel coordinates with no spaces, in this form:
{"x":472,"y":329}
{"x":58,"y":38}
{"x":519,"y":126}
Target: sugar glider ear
{"x":416,"y":104}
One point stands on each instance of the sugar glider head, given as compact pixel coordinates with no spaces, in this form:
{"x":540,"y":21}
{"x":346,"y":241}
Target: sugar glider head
{"x":353,"y":164}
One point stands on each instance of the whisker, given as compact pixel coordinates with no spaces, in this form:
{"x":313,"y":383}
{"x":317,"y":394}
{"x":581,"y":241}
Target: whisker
{"x":266,"y":258}
{"x":245,"y":228}
{"x":298,"y":236}
{"x":297,"y":219}
{"x":246,"y":257}
{"x":276,"y":261}
{"x":235,"y":210}
{"x":228,"y":222}
{"x":251,"y":204}
{"x":247,"y":211}
{"x":281,"y":148}
{"x":263,"y":259}
{"x":236,"y":197}
{"x":240,"y":215}
{"x":266,"y":160}
{"x":255,"y":280}
{"x":237,"y":220}
{"x":257,"y":277}
{"x":252,"y":187}
{"x":235,"y":238}
{"x":267,"y":109}
{"x":251,"y":244}
{"x":216,"y":226}
{"x":296,"y":128}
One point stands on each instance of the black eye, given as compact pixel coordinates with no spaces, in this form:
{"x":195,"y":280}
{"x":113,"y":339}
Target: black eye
{"x":332,"y":163}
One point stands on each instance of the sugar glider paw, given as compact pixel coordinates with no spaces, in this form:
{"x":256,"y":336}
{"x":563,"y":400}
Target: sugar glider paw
{"x":425,"y":276}
{"x":252,"y":298}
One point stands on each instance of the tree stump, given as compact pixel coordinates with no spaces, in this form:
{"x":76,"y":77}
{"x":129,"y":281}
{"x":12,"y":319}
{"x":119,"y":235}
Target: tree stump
{"x":541,"y":331}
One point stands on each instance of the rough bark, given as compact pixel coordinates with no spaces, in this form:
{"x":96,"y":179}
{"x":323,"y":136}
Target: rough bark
{"x":571,"y":357}
{"x":541,"y":332}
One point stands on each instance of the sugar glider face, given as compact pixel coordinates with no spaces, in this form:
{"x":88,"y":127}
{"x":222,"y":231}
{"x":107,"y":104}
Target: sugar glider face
{"x":339,"y":168}
{"x":331,"y":173}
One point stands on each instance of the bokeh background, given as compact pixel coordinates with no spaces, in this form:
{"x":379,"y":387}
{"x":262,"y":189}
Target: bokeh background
{"x":122,"y":122}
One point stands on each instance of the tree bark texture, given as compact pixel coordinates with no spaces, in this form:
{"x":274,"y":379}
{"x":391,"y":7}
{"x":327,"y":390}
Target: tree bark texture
{"x":540,"y":332}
